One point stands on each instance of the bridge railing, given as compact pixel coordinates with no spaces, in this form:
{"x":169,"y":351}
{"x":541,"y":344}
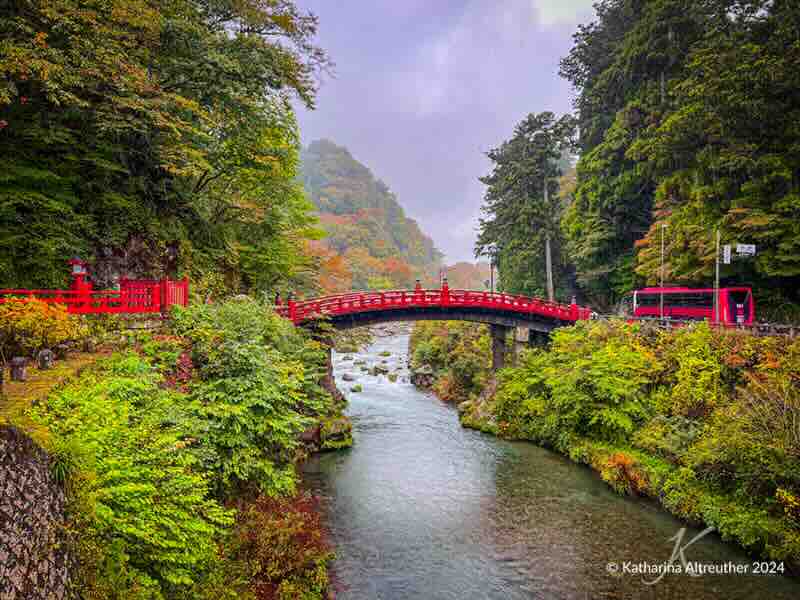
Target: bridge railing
{"x":355,"y":302}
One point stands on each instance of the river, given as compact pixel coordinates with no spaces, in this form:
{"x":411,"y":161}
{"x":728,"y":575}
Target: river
{"x":422,"y":508}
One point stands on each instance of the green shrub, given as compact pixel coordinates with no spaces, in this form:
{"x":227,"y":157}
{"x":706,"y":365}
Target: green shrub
{"x":706,"y":421}
{"x":695,"y":367}
{"x":667,"y":436}
{"x":259,"y":386}
{"x":138,"y":503}
{"x":594,"y":381}
{"x":459,"y":354}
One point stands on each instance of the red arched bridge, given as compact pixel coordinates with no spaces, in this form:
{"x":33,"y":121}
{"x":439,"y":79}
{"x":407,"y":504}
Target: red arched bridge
{"x":503,"y":312}
{"x":356,"y":309}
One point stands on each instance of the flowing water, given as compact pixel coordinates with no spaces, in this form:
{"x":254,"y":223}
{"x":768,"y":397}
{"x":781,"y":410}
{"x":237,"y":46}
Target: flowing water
{"x":422,"y":508}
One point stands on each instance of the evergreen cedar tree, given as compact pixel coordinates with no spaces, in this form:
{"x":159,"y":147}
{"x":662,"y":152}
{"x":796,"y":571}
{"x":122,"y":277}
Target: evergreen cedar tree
{"x":687,"y":115}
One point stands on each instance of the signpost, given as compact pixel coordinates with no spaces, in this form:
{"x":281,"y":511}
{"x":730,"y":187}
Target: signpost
{"x":741,"y":250}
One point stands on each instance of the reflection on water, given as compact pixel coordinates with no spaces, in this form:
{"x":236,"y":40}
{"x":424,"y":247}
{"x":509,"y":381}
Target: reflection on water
{"x":421,"y":508}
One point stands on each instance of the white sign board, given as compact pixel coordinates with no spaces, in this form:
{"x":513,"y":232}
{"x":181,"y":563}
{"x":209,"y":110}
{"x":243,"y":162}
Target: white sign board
{"x":746,"y":249}
{"x":726,"y":254}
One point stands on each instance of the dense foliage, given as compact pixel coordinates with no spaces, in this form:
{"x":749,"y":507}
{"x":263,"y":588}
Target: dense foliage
{"x":688,"y":119}
{"x":153,"y":137}
{"x":259,"y":384}
{"x":522,"y":208}
{"x":27,"y":326}
{"x":371,"y":243}
{"x":156,"y":445}
{"x":706,"y":422}
{"x":458,"y":353}
{"x":687,"y":116}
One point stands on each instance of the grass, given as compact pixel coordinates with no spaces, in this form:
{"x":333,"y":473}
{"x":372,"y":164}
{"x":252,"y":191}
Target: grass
{"x":17,"y":396}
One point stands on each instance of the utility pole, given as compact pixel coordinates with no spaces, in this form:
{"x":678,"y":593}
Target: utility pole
{"x":663,"y":227}
{"x":551,"y":295}
{"x":491,"y":274}
{"x":716,"y":284}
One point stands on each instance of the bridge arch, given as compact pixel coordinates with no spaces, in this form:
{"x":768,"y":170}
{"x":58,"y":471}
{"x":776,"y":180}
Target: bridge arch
{"x":503,"y":312}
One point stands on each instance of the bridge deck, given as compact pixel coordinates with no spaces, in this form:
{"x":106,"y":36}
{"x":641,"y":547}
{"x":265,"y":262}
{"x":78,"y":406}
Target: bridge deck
{"x":403,"y":301}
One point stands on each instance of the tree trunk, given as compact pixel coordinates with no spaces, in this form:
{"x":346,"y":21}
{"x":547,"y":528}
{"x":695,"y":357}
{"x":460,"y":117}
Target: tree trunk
{"x":551,"y":295}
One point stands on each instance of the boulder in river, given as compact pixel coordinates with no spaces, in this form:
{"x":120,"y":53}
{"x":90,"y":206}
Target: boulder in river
{"x":336,"y":432}
{"x":348,"y":377}
{"x":423,"y":376}
{"x":379,"y":370}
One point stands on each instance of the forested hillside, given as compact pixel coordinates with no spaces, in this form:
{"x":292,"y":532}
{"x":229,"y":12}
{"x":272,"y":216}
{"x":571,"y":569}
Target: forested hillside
{"x":153,"y":137}
{"x":468,"y":276}
{"x":370,"y":243}
{"x":687,"y":121}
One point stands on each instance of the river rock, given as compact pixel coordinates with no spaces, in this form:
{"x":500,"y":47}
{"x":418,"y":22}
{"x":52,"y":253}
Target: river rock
{"x":423,"y":376}
{"x":379,"y":370}
{"x":336,"y":433}
{"x":348,"y":377}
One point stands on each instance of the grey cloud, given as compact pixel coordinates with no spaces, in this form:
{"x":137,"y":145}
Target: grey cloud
{"x":423,"y":89}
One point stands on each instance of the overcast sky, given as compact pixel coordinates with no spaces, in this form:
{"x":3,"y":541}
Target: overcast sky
{"x":423,"y":88}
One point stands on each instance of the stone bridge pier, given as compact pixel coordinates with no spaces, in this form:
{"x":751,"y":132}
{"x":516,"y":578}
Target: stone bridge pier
{"x":522,"y":337}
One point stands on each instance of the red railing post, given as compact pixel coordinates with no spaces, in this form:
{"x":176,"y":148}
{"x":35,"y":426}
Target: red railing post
{"x":445,"y":292}
{"x":163,"y":298}
{"x":292,"y":311}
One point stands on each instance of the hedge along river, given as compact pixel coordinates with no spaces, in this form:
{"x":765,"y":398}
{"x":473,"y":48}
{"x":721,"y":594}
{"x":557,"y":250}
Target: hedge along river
{"x":422,"y":508}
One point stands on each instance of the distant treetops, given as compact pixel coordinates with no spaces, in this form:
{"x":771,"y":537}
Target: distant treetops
{"x":370,"y":243}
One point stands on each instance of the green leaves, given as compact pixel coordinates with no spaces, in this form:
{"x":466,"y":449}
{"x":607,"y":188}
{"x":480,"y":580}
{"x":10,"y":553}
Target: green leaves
{"x":518,"y":214}
{"x":135,"y":483}
{"x":145,"y":128}
{"x":687,"y":115}
{"x":148,"y":469}
{"x":259,"y":384}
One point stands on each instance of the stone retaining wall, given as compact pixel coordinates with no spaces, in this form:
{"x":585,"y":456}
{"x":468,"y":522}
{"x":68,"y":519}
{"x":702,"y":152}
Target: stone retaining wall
{"x":33,"y":557}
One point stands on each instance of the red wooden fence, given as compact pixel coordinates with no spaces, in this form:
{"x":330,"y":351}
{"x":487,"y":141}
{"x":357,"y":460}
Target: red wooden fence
{"x":134,"y":296}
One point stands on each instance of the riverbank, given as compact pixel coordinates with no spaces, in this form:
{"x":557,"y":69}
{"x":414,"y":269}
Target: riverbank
{"x":421,"y":507}
{"x":705,"y":423}
{"x":179,"y":457}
